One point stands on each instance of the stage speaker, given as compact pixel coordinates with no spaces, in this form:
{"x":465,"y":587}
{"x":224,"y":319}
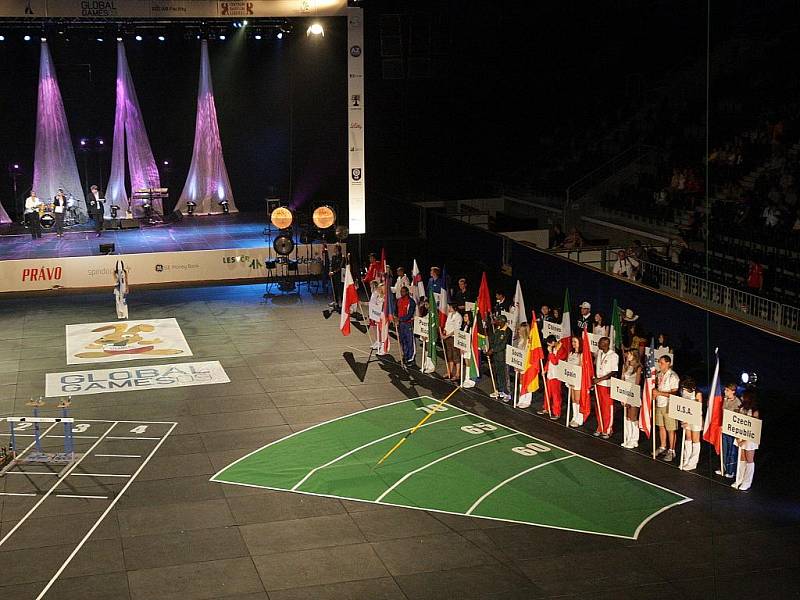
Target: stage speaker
{"x":106,"y":248}
{"x":175,"y":216}
{"x":128,"y":224}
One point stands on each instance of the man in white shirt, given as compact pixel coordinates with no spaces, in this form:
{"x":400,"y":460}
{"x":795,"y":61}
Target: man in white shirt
{"x":401,"y":282}
{"x":625,"y":266}
{"x":32,"y":204}
{"x":606,"y":367}
{"x":667,"y":382}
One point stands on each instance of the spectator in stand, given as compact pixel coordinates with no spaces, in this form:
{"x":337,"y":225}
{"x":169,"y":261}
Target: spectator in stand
{"x":599,"y":326}
{"x":632,"y":373}
{"x":606,"y":367}
{"x":451,"y":325}
{"x":556,"y":316}
{"x":625,"y":266}
{"x":747,"y":448}
{"x":637,"y":251}
{"x":558,"y":237}
{"x":556,"y":352}
{"x":771,"y":215}
{"x":730,"y":401}
{"x":755,"y":276}
{"x":584,"y":320}
{"x":667,"y":383}
{"x":501,"y":303}
{"x":574,"y":359}
{"x":675,"y":180}
{"x":675,"y":247}
{"x":691,"y":453}
{"x":462,"y":295}
{"x":574,"y":240}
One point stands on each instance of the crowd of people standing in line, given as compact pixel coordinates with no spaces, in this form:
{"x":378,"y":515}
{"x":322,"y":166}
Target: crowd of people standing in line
{"x":628,"y":359}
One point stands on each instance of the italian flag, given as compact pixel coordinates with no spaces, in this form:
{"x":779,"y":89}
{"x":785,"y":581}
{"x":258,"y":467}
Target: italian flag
{"x":349,"y":298}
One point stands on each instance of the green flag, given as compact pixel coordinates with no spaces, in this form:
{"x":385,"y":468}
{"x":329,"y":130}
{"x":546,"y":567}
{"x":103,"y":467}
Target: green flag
{"x":433,"y":325}
{"x":616,"y":328}
{"x":474,"y":358}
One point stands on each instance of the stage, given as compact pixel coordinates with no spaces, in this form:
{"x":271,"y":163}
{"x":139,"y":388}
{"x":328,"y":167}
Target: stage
{"x":195,"y":250}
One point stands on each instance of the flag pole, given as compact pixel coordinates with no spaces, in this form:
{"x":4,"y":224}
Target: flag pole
{"x":417,"y":426}
{"x":569,"y":405}
{"x":546,"y":392}
{"x":721,"y":455}
{"x":491,"y":375}
{"x":683,"y":447}
{"x":444,"y":351}
{"x":599,"y":412}
{"x":516,"y":387}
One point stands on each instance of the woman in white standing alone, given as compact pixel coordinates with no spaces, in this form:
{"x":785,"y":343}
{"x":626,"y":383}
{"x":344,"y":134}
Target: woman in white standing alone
{"x":691,"y":450}
{"x":121,"y":289}
{"x":631,"y":373}
{"x":747,"y":448}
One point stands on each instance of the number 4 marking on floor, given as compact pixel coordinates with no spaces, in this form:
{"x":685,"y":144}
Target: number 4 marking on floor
{"x":139,"y":429}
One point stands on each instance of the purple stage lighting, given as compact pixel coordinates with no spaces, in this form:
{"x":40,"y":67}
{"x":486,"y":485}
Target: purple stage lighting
{"x":207,"y":184}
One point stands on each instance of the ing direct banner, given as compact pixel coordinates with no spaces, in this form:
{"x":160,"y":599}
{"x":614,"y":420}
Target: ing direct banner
{"x":355,"y":121}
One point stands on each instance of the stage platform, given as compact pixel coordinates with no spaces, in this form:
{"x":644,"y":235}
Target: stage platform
{"x":196,"y":250}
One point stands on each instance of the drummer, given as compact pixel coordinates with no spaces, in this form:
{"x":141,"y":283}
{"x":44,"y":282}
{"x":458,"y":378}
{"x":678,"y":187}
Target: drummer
{"x":32,"y":207}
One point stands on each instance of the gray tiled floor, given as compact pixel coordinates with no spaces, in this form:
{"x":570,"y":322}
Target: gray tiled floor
{"x":176,"y":535}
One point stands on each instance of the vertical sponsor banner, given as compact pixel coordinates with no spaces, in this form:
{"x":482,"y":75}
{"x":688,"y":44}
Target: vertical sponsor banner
{"x":355,"y":120}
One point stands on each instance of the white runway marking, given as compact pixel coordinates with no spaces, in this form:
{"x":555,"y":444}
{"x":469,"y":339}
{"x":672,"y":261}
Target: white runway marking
{"x":120,"y":455}
{"x":99,"y":475}
{"x":30,"y":473}
{"x":79,"y":496}
{"x":14,"y":494}
{"x":133,"y":438}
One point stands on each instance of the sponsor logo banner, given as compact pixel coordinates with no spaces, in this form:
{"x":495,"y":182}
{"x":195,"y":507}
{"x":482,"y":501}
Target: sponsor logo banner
{"x":127,"y":379}
{"x":355,"y":105}
{"x":125,"y":340}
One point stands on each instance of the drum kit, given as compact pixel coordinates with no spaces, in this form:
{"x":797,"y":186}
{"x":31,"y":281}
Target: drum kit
{"x":284,"y":219}
{"x":47,"y":211}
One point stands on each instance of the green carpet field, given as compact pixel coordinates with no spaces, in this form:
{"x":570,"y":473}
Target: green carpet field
{"x":458,"y":463}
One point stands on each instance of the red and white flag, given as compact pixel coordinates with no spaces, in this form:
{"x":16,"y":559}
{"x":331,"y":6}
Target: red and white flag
{"x":417,"y":285}
{"x":566,"y":327}
{"x":349,"y":299}
{"x":712,"y":428}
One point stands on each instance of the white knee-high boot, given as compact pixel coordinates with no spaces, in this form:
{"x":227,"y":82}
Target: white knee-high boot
{"x":747,"y":478}
{"x":739,"y":474}
{"x":634,"y":443}
{"x":693,"y":457}
{"x":626,"y":434}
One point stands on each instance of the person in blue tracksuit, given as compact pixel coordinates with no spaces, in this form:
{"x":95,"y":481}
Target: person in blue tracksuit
{"x":406,"y":309}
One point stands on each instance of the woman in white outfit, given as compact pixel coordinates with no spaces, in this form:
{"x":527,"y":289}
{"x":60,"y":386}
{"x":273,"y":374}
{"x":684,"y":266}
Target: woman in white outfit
{"x":121,"y":290}
{"x":574,"y":358}
{"x":375,"y":308}
{"x":631,"y":373}
{"x":747,"y":448}
{"x":691,"y":433}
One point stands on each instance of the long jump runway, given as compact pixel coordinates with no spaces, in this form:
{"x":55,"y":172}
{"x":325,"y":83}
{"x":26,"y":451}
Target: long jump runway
{"x":458,"y":463}
{"x":37,"y":503}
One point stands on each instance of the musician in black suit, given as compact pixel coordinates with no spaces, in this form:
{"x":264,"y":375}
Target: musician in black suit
{"x":59,"y":208}
{"x":96,"y":209}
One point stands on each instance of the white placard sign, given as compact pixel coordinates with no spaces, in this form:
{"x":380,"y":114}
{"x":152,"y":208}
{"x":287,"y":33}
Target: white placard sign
{"x":570,"y":374}
{"x":421,"y":327}
{"x":515,"y":357}
{"x":375,"y":313}
{"x":127,"y":379}
{"x":741,"y":426}
{"x":549,"y":328}
{"x":461,"y":341}
{"x":125,"y":340}
{"x":594,"y":339}
{"x":686,"y":410}
{"x":626,"y":392}
{"x":469,"y":306}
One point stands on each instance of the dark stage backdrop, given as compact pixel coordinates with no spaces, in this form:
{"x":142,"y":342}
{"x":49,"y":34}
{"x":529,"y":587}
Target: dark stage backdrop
{"x":257,"y":84}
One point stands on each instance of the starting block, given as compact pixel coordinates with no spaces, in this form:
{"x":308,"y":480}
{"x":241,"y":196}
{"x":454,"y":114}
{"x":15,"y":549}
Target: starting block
{"x":36,"y":455}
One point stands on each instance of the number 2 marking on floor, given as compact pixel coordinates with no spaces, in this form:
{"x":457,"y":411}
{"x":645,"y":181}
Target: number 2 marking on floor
{"x":139,"y":429}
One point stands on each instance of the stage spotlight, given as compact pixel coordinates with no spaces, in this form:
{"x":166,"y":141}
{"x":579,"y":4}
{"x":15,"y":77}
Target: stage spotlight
{"x":2,"y":38}
{"x":119,"y":39}
{"x":316,"y":29}
{"x":27,"y":38}
{"x":161,"y":38}
{"x":114,"y":208}
{"x":224,"y":205}
{"x":138,"y":38}
{"x":83,"y":142}
{"x":257,"y":36}
{"x":166,"y":163}
{"x":280,"y":35}
{"x":222,"y":37}
{"x":43,"y":39}
{"x":100,"y":39}
{"x":244,"y":23}
{"x":190,"y":206}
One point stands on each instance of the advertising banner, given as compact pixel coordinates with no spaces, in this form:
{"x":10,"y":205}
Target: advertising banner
{"x":355,"y":120}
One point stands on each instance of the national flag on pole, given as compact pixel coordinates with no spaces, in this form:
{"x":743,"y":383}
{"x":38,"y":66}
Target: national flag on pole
{"x":444,"y":300}
{"x":349,"y":298}
{"x":648,"y":385}
{"x":417,"y":285}
{"x":587,"y":374}
{"x":433,"y":327}
{"x":616,"y":328}
{"x":382,"y":264}
{"x":484,"y":299}
{"x":474,"y":350}
{"x":566,"y":323}
{"x":712,"y":428}
{"x":517,"y":313}
{"x":533,"y":359}
{"x":386,"y":315}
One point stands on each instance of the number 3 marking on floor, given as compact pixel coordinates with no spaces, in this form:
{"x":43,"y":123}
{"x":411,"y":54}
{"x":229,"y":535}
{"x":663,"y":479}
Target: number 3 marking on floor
{"x":81,"y":427}
{"x":531,"y":449}
{"x":139,"y":429}
{"x":478,"y":428}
